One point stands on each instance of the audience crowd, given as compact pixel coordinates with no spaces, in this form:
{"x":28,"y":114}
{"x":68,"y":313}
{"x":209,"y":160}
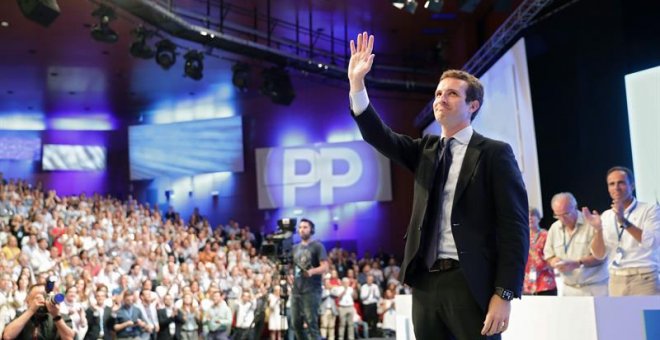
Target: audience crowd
{"x":129,"y":271}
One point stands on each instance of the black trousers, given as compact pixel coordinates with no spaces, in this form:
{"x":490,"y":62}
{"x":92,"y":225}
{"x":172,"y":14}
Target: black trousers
{"x":444,"y":308}
{"x":370,"y":313}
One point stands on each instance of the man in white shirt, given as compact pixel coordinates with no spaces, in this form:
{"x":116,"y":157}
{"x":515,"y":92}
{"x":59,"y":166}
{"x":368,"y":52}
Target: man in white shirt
{"x":629,"y":232}
{"x":244,"y":317}
{"x":568,"y":250}
{"x":345,"y":298}
{"x":147,"y":306}
{"x":370,"y":295}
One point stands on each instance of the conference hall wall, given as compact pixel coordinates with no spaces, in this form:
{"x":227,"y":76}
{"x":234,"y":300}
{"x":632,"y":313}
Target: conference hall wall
{"x":316,"y":121}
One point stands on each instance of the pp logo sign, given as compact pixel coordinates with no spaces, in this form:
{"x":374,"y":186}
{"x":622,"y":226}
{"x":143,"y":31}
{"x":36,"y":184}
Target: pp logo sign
{"x":324,"y":174}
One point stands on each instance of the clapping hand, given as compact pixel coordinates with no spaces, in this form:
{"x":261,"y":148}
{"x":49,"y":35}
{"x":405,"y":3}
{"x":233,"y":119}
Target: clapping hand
{"x":592,"y":218}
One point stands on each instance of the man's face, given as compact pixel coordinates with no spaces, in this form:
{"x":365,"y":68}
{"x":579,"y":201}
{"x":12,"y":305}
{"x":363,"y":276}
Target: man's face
{"x":129,"y":299}
{"x":619,"y":186}
{"x":37,"y":292}
{"x":146,"y":297}
{"x":72,"y":295}
{"x":217,"y":298}
{"x":100,"y":297}
{"x":305,"y":230}
{"x":168,"y":300}
{"x":564,"y":212}
{"x":449,"y":106}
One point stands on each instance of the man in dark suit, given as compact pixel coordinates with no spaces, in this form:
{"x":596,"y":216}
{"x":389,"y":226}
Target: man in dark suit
{"x":168,"y":329}
{"x":99,"y":318}
{"x":467,"y":241}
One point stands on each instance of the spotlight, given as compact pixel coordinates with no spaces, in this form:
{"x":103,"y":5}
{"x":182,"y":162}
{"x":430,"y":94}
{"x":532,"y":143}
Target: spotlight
{"x":139,"y":47}
{"x":194,"y":64}
{"x":410,"y":7}
{"x":102,"y":31}
{"x":434,"y":5}
{"x":277,"y":85}
{"x":165,"y":54}
{"x":43,"y":12}
{"x":399,"y":3}
{"x":241,"y":76}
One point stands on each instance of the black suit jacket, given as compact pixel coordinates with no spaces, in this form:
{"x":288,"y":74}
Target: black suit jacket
{"x":489,"y":214}
{"x":94,"y":326}
{"x":164,"y":324}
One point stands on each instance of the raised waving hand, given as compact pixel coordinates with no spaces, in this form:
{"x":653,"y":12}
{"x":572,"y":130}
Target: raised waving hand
{"x":361,"y":60}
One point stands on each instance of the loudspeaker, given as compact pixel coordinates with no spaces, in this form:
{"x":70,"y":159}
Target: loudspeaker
{"x":43,"y":12}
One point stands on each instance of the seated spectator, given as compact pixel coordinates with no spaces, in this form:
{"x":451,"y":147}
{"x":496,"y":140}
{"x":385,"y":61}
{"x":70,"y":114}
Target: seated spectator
{"x":11,"y":250}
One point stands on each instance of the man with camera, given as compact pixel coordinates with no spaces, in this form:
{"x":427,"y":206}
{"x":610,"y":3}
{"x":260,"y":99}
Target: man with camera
{"x":41,"y":320}
{"x":310,"y":263}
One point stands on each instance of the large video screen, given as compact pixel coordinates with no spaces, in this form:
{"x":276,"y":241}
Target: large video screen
{"x":73,"y":157}
{"x":321,"y":174}
{"x":18,"y":147}
{"x":186,"y":148}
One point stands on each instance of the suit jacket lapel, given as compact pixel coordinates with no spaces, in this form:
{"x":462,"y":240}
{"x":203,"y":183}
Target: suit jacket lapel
{"x":469,"y":165}
{"x":432,"y":153}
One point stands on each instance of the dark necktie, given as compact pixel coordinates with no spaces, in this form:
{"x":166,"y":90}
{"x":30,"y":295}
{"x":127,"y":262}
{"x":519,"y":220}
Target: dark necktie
{"x":443,"y":172}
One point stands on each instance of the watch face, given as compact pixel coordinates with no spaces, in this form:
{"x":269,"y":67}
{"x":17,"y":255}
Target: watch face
{"x":507,"y":294}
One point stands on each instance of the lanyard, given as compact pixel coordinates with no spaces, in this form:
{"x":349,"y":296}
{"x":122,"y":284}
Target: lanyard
{"x":616,"y":224}
{"x":566,"y":245}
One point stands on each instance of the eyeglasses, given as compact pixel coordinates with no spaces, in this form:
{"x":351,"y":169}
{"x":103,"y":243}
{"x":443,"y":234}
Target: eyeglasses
{"x":561,"y":215}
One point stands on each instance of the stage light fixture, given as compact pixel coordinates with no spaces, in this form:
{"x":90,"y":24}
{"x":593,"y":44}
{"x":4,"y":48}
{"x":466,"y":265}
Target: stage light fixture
{"x":194,"y":64}
{"x":277,"y":85}
{"x":139,"y":47}
{"x":43,"y":12}
{"x":240,"y":76}
{"x":409,"y":6}
{"x":399,"y":3}
{"x":165,"y":54}
{"x":434,"y":5}
{"x":102,"y":31}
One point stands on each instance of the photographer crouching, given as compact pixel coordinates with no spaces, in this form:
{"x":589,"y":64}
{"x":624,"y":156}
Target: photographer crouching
{"x":41,"y":320}
{"x":310,"y":263}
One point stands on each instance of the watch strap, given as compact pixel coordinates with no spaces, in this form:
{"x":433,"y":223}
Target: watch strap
{"x":505,"y":294}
